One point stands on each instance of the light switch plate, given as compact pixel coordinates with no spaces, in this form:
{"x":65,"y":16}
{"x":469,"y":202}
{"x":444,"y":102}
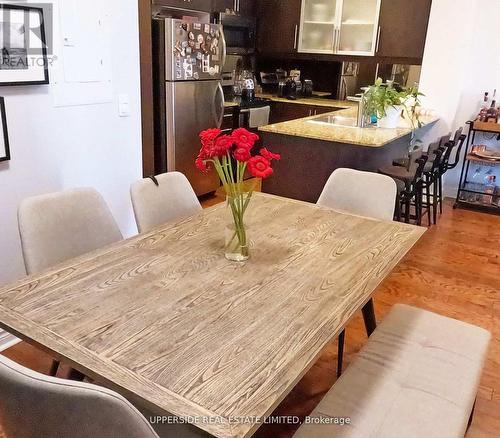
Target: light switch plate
{"x":124,"y":105}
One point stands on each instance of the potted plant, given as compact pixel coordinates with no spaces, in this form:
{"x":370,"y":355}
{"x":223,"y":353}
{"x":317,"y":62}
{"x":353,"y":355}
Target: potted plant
{"x":385,"y":102}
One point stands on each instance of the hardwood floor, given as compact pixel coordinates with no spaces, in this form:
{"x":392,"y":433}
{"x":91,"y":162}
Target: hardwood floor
{"x":454,"y":270}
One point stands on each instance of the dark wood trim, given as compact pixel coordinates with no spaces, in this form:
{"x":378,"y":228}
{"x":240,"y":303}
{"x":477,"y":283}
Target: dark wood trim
{"x":146,"y":61}
{"x":5,"y":130}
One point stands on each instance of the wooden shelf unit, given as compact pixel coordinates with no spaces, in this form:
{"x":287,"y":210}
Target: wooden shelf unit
{"x":475,"y":127}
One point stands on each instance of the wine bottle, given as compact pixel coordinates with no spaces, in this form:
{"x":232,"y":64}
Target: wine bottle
{"x":492,"y":115}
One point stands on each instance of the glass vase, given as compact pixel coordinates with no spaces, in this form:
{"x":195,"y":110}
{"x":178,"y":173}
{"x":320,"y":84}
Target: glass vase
{"x":237,"y":242}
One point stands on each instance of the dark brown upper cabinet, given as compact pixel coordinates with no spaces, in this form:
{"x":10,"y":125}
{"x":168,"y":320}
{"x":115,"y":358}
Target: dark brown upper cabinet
{"x":243,"y":7}
{"x":197,"y":5}
{"x":222,"y":5}
{"x":403,"y":28}
{"x":247,"y":7}
{"x":278,"y":25}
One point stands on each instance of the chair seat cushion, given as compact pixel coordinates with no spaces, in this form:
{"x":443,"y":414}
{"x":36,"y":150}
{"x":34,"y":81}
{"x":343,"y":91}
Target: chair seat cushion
{"x":401,"y":162}
{"x":416,"y":377}
{"x":428,"y":167}
{"x":397,"y":172}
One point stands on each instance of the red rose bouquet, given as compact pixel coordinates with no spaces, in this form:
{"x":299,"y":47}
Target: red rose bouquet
{"x":231,"y":155}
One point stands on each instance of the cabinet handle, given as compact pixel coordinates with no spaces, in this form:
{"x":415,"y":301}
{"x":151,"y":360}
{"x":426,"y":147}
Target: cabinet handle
{"x":295,"y":37}
{"x":337,"y":39}
{"x":378,"y":38}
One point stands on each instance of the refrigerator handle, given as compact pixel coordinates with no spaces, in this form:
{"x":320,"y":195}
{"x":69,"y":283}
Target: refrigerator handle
{"x":224,"y":49}
{"x":219,"y":92}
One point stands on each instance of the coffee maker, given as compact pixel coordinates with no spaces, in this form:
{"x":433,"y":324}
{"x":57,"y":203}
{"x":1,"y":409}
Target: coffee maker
{"x":291,"y":89}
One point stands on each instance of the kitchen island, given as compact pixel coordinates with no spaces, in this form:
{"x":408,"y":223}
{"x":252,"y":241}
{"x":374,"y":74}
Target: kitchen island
{"x":313,"y":147}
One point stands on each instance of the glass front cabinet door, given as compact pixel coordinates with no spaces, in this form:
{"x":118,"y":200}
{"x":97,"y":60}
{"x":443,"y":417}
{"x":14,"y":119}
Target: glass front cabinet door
{"x":344,"y":27}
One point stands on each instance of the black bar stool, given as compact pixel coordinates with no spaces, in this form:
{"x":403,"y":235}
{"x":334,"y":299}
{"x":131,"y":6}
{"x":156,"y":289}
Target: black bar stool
{"x":409,"y":183}
{"x":453,"y":147}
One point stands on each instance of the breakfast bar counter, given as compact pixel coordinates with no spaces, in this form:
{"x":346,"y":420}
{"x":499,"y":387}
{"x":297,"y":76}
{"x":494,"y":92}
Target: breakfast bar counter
{"x":317,"y":128}
{"x":313,"y":147}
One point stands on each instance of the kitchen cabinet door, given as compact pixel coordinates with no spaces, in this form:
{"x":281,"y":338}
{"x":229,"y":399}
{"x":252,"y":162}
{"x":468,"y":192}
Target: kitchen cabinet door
{"x":358,"y":27}
{"x":222,"y":5}
{"x":278,"y":25}
{"x":403,"y":28}
{"x":283,"y":112}
{"x":242,"y":7}
{"x":323,"y":110}
{"x":247,"y":7}
{"x":318,"y":26}
{"x":343,"y":27}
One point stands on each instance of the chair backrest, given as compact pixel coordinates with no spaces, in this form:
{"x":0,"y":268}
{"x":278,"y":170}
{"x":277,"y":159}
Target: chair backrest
{"x":458,"y":149}
{"x":361,"y":193}
{"x":435,"y":154}
{"x":458,"y":134}
{"x":63,"y":225}
{"x":415,"y":159}
{"x":444,"y":139}
{"x":33,"y":405}
{"x":433,"y":147}
{"x":456,"y":145}
{"x":173,"y":198}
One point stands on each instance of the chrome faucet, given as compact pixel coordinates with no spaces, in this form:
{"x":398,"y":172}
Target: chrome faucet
{"x":361,"y":123}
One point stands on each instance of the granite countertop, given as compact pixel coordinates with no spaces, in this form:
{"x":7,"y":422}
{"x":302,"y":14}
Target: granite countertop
{"x":230,"y":104}
{"x":316,"y":100}
{"x":370,"y":137}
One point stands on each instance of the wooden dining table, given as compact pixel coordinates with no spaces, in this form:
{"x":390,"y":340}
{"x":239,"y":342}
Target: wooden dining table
{"x":167,"y":321}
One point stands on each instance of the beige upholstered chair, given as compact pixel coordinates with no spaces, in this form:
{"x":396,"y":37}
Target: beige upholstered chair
{"x":360,"y":193}
{"x":59,"y":226}
{"x":364,"y":194}
{"x":33,"y":405}
{"x":162,"y":199}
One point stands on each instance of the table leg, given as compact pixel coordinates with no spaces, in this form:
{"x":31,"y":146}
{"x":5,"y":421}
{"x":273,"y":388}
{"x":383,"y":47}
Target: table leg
{"x":76,"y":375}
{"x":340,"y":355}
{"x":369,"y":317}
{"x":54,"y":367}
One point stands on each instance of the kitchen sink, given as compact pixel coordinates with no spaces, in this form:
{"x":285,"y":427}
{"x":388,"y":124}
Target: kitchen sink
{"x":351,"y":122}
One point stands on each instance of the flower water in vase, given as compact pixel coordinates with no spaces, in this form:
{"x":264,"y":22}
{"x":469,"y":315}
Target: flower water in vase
{"x":237,"y":239}
{"x":231,"y":156}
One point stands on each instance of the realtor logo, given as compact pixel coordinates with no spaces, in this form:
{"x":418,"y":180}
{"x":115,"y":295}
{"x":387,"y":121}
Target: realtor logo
{"x":25,"y":34}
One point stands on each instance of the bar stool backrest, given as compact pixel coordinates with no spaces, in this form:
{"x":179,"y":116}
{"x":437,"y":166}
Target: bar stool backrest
{"x":434,"y":154}
{"x":458,"y":149}
{"x":414,"y":159}
{"x":450,"y":147}
{"x":444,"y":139}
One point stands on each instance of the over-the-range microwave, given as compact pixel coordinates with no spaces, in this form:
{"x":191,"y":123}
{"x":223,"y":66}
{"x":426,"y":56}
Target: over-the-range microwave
{"x":239,"y":32}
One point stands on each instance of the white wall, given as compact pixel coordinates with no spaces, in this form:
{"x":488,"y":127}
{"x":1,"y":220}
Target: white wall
{"x":461,"y":62}
{"x":55,"y":148}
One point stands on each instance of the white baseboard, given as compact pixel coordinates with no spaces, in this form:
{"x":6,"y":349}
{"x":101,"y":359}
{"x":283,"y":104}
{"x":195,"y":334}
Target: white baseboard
{"x":7,"y":340}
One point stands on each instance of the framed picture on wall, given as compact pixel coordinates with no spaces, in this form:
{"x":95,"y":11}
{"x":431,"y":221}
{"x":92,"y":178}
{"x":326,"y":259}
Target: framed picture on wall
{"x":23,"y":44}
{"x":4,"y":133}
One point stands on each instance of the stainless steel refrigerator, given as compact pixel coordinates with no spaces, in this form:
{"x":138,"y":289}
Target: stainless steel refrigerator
{"x":188,"y":61}
{"x":354,"y":76}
